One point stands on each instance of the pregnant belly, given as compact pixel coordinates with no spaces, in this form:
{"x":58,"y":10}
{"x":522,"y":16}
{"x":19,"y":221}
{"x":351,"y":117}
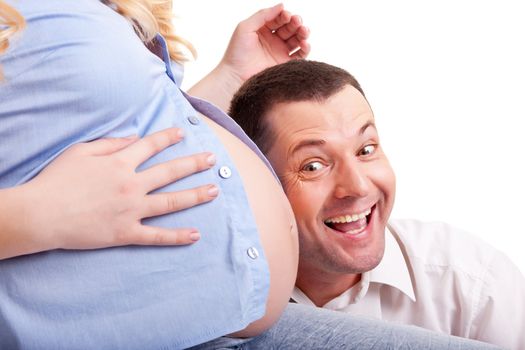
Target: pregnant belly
{"x":275,"y":222}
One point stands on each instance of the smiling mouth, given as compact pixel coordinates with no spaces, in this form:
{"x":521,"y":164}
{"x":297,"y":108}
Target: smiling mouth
{"x":350,"y":224}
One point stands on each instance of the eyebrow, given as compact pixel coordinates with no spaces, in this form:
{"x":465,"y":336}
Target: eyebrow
{"x":320,"y":142}
{"x":368,"y":124}
{"x":307,"y":143}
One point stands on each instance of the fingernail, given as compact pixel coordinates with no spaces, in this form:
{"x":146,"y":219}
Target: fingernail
{"x":180,"y":133}
{"x":211,"y":159}
{"x":195,"y":236}
{"x":213,"y":191}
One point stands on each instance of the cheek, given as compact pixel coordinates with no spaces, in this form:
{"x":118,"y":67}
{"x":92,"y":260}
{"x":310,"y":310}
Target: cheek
{"x":385,"y":179}
{"x":305,"y":199}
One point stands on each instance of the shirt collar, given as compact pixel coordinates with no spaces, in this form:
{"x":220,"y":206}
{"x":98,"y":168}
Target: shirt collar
{"x":393,"y":269}
{"x":159,"y":47}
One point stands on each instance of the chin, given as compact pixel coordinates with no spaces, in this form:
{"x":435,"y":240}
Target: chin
{"x":370,"y":262}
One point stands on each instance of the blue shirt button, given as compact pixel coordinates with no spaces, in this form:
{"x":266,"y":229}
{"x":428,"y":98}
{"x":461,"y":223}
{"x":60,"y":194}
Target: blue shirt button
{"x":252,"y":253}
{"x":225,"y":172}
{"x":194,"y":120}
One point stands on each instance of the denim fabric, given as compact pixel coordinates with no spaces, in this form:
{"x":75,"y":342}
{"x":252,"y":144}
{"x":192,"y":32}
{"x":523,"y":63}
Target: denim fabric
{"x":79,"y":72}
{"x":304,"y":327}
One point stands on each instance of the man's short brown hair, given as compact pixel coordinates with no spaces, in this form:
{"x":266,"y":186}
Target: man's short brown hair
{"x":293,"y":81}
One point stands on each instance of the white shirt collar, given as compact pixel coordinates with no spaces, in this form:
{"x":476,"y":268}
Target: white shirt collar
{"x":392,"y":270}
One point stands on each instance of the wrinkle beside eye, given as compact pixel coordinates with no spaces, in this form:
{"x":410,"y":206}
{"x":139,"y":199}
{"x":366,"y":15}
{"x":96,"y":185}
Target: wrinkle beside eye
{"x":290,"y":180}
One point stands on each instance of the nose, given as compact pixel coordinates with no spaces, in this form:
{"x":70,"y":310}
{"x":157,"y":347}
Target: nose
{"x":352,"y":181}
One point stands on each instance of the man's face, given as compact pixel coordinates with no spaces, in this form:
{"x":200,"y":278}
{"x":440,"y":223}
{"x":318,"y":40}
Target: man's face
{"x":337,"y":178}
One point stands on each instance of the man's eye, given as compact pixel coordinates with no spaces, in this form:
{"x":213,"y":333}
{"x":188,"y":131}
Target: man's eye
{"x":313,"y":166}
{"x":367,"y":150}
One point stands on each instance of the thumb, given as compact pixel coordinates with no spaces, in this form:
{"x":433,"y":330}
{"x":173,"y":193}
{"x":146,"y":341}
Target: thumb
{"x":261,"y":17}
{"x":108,"y":145}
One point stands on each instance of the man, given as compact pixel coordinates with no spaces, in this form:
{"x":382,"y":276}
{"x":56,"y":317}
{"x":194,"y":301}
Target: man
{"x":318,"y":131}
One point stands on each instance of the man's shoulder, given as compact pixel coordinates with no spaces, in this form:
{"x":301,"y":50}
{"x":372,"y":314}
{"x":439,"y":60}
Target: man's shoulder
{"x":441,"y":245}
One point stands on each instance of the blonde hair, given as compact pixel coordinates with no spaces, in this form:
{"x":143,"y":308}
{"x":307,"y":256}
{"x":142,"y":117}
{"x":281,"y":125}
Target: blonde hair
{"x":11,"y":22}
{"x":148,"y":18}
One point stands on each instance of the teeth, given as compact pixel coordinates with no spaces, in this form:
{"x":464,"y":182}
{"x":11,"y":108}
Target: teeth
{"x":348,"y":218}
{"x":356,"y":231}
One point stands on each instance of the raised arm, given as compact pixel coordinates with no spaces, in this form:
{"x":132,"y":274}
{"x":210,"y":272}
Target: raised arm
{"x":268,"y":37}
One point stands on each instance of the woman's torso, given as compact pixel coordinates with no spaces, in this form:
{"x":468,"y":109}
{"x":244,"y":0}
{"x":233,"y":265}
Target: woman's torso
{"x":79,"y":73}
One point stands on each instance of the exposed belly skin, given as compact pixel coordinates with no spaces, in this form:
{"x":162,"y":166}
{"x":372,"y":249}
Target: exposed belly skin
{"x":276,"y":224}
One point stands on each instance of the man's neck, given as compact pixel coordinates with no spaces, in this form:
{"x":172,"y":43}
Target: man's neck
{"x":321,"y":286}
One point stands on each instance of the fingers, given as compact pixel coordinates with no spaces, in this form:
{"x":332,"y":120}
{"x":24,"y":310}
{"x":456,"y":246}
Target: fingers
{"x":105,"y":146}
{"x":150,"y":235}
{"x":281,"y":24}
{"x":301,"y":51}
{"x":281,"y":20}
{"x":164,"y":203}
{"x":291,"y":30}
{"x":260,"y":18}
{"x":293,"y":33}
{"x":150,"y":145}
{"x":165,"y":173}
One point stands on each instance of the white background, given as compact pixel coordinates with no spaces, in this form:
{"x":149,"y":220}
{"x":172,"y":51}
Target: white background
{"x":446,"y":81}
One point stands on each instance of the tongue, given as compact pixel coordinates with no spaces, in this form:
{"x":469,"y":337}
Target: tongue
{"x":349,"y":226}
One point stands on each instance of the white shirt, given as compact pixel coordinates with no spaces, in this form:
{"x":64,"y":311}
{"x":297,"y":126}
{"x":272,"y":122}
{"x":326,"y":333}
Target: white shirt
{"x":435,"y":276}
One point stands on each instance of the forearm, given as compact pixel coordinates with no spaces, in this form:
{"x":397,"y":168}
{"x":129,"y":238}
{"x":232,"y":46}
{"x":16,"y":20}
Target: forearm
{"x":218,"y":87}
